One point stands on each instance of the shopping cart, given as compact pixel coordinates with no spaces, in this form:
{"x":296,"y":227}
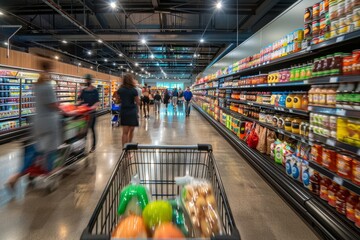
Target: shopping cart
{"x":157,"y":166}
{"x":72,"y":151}
{"x":115,"y":114}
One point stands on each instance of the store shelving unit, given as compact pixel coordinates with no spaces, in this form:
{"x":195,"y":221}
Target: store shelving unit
{"x":16,"y":103}
{"x":323,"y":218}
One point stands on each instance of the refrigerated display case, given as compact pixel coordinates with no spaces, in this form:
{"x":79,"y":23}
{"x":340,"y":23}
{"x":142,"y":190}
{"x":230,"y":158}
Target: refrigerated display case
{"x":16,"y":102}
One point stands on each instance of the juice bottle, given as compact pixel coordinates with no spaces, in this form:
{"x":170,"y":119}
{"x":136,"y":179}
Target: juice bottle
{"x":311,"y":95}
{"x":351,"y":203}
{"x":341,"y":197}
{"x":315,"y":183}
{"x":289,"y":100}
{"x":316,"y":96}
{"x":331,"y":96}
{"x":297,"y":101}
{"x":324,"y":185}
{"x":332,"y":190}
{"x":343,"y":165}
{"x":322,"y":96}
{"x":304,"y":102}
{"x":295,"y":126}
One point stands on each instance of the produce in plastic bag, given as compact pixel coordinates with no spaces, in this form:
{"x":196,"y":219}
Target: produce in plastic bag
{"x":199,"y":201}
{"x":132,"y":226}
{"x":156,"y":213}
{"x":133,"y":198}
{"x":180,"y":217}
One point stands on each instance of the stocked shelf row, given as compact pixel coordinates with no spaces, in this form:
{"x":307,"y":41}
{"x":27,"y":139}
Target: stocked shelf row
{"x":312,"y":208}
{"x":280,"y":109}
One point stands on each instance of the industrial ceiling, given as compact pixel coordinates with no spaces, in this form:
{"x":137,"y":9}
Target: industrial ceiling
{"x":154,"y":38}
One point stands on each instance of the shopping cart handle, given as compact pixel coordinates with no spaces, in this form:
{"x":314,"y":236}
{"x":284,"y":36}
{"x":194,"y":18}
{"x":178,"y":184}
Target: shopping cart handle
{"x":136,"y":146}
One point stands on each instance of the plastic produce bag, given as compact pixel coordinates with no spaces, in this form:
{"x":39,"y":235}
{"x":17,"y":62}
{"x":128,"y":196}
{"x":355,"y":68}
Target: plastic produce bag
{"x":270,"y":138}
{"x":198,"y":199}
{"x":261,"y":147}
{"x":180,"y":218}
{"x":133,"y":198}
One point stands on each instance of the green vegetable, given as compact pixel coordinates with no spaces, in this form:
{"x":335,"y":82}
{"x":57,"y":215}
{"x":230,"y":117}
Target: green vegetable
{"x":157,"y":212}
{"x":128,"y":193}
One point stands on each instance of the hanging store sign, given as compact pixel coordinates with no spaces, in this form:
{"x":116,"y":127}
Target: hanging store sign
{"x":28,"y":75}
{"x":7,"y":73}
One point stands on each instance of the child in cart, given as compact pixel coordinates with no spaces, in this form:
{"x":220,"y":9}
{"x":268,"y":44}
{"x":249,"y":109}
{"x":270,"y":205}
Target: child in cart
{"x":115,"y":109}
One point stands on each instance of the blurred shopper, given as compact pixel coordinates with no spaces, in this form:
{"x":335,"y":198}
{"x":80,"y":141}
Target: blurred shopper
{"x":166,"y":98}
{"x":139,"y":90}
{"x":90,"y":96}
{"x":187,"y":97}
{"x":130,"y":102}
{"x":175,"y":96}
{"x":46,"y":126}
{"x":146,"y":100}
{"x":157,"y":101}
{"x":181,"y":96}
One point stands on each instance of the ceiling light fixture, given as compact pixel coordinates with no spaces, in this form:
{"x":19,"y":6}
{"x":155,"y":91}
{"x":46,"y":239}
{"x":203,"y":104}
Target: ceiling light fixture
{"x":142,"y":69}
{"x":64,"y":41}
{"x":136,"y":64}
{"x":1,"y":13}
{"x":152,"y":56}
{"x":127,"y":69}
{"x":132,"y":71}
{"x":100,"y":41}
{"x":113,"y":5}
{"x":79,"y":64}
{"x":121,"y":66}
{"x":219,"y":5}
{"x":191,"y":64}
{"x":202,"y":40}
{"x":114,"y":64}
{"x":120,"y":54}
{"x":91,"y":67}
{"x":89,"y":52}
{"x":105,"y":60}
{"x":6,"y":43}
{"x":56,"y":57}
{"x":143,"y":41}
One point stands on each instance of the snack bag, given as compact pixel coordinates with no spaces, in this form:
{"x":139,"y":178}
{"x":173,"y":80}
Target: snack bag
{"x":296,"y":168}
{"x":307,"y":172}
{"x":133,"y":198}
{"x":198,"y":198}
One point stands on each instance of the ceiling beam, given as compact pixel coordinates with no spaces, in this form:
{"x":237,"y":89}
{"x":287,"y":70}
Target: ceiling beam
{"x":168,"y":37}
{"x":260,"y":12}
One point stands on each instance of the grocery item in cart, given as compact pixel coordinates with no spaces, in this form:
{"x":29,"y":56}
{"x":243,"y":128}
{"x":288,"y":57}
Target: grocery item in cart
{"x":199,"y":201}
{"x":180,"y":217}
{"x":156,"y":213}
{"x":133,"y":198}
{"x":132,"y":226}
{"x":168,"y":231}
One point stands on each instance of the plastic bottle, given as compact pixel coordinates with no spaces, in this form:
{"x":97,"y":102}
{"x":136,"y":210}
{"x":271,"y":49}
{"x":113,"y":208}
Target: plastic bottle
{"x":332,"y":190}
{"x":289,"y":100}
{"x":304,"y":102}
{"x":351,"y":203}
{"x":341,"y":197}
{"x":331,"y":96}
{"x":297,"y":101}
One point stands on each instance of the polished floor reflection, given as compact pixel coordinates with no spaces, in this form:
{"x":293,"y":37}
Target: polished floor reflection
{"x":258,"y":211}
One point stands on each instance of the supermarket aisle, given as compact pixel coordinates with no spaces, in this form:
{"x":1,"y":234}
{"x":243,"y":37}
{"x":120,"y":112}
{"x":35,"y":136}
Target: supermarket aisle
{"x":259,"y":212}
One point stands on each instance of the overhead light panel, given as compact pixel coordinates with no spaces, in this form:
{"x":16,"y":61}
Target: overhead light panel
{"x":152,"y":56}
{"x":127,"y":69}
{"x":132,"y":71}
{"x":143,"y":41}
{"x":100,"y":41}
{"x":191,"y":64}
{"x":1,"y":13}
{"x":56,"y":57}
{"x":142,"y":69}
{"x":6,"y":43}
{"x":79,"y":64}
{"x":91,"y":67}
{"x":121,"y":66}
{"x":202,"y":40}
{"x":136,"y":64}
{"x":114,"y":64}
{"x":89,"y":53}
{"x":219,"y":5}
{"x":120,"y":54}
{"x":113,"y":5}
{"x":64,"y":41}
{"x":105,"y":60}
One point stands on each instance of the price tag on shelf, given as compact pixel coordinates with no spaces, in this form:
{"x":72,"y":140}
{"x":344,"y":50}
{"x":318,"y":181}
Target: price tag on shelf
{"x":334,"y":79}
{"x":310,"y":108}
{"x":338,"y":180}
{"x":330,"y":142}
{"x":308,"y":48}
{"x":303,"y":140}
{"x":358,"y":152}
{"x":340,"y":39}
{"x":340,"y":112}
{"x":290,"y":110}
{"x":306,"y":81}
{"x":280,"y":131}
{"x":292,"y":136}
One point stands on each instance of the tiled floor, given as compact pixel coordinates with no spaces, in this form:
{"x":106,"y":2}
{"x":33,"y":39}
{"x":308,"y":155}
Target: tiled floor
{"x":258,"y":211}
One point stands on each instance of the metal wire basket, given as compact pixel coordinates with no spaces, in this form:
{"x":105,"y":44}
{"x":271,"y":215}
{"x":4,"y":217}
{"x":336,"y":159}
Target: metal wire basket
{"x":157,"y":166}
